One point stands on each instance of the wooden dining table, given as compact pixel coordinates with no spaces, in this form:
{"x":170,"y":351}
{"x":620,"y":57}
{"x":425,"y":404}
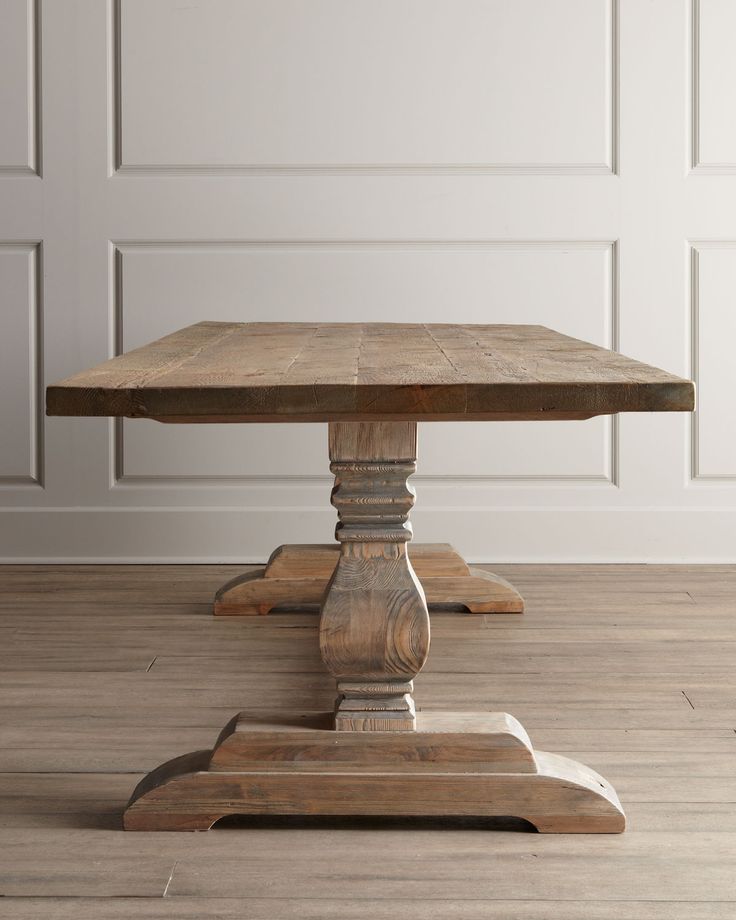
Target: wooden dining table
{"x":371,"y":383}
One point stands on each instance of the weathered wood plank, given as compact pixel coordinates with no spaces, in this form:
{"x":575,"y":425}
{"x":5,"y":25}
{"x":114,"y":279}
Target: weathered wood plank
{"x":328,"y":372}
{"x":269,"y":908}
{"x":98,"y":876}
{"x":642,"y":867}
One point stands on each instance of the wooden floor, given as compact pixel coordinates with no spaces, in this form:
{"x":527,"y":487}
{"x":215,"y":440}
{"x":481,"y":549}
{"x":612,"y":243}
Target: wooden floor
{"x":107,"y":671}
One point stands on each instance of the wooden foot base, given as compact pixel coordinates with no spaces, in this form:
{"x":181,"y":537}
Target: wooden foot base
{"x":298,"y":574}
{"x":375,"y":755}
{"x":464,"y":764}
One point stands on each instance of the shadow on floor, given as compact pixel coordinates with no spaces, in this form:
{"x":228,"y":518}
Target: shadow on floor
{"x":383,"y":823}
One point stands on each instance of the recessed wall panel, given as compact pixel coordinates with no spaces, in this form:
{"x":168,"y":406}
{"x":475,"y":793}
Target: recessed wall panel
{"x":714,"y":328}
{"x":714,"y":81}
{"x":17,"y":86}
{"x":375,"y":84}
{"x":566,"y":286}
{"x":19,"y":366}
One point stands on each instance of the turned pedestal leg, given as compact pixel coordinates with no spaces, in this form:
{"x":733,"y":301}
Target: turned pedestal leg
{"x":374,"y":628}
{"x":374,"y":755}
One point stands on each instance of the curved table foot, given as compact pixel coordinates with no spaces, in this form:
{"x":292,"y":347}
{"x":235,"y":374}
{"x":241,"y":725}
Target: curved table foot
{"x":298,"y":574}
{"x":470,"y":764}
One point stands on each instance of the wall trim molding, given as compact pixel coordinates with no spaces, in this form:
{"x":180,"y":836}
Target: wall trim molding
{"x":34,"y":478}
{"x":119,"y":168}
{"x":697,"y":164}
{"x":695,"y":247}
{"x":32,"y":166}
{"x":119,"y":479}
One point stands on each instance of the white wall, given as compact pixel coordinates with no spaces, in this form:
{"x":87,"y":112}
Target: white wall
{"x":567,"y":162}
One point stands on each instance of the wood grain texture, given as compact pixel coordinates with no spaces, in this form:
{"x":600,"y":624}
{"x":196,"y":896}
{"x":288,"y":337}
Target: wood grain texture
{"x":220,"y":372}
{"x":562,"y":797}
{"x":297,"y":576}
{"x":318,"y":560}
{"x":493,"y":742}
{"x":374,"y":622}
{"x":265,"y":906}
{"x":466,"y":764}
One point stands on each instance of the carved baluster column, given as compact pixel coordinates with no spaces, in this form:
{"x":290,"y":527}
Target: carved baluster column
{"x":374,"y":629}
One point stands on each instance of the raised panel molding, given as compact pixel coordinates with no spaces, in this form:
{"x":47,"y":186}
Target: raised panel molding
{"x":713,"y":133}
{"x":169,"y":163}
{"x":714,"y":372}
{"x":21,"y":366}
{"x":606,"y":476}
{"x":20,"y":120}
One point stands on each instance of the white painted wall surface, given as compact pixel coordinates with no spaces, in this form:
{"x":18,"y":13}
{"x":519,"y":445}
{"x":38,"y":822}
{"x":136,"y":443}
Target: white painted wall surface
{"x":566,"y":162}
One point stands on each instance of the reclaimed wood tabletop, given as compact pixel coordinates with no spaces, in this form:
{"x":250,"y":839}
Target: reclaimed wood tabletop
{"x":300,"y":372}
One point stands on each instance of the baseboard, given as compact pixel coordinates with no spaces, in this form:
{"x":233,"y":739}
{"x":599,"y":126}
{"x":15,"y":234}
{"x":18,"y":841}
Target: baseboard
{"x":504,"y":535}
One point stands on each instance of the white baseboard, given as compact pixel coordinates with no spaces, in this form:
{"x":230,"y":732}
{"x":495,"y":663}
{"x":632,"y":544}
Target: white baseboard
{"x":503,"y":535}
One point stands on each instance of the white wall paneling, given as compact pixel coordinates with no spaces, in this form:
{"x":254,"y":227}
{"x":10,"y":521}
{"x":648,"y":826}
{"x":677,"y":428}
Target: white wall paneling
{"x":19,"y":84}
{"x":713,"y":77}
{"x":568,"y":162}
{"x":714,"y":369}
{"x":21,"y":358}
{"x":369,"y":86}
